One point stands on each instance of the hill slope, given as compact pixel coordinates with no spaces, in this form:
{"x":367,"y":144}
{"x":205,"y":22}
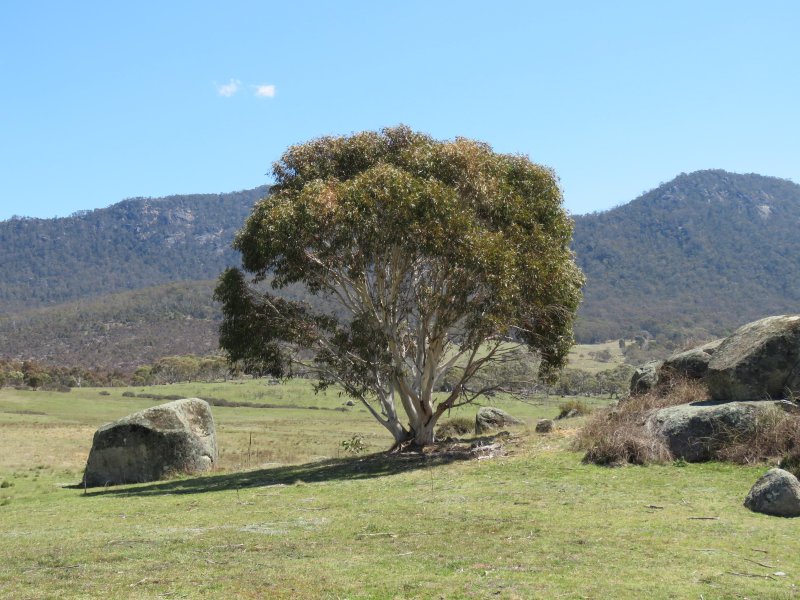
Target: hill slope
{"x":134,"y":244}
{"x":692,"y":258}
{"x":697,"y":256}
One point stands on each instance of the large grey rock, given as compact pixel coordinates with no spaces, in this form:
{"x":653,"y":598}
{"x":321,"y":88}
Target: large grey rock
{"x":691,"y":363}
{"x":693,"y":431}
{"x":760,"y":360}
{"x":177,"y":437}
{"x":645,"y":377}
{"x":776,"y":493}
{"x":489,"y":418}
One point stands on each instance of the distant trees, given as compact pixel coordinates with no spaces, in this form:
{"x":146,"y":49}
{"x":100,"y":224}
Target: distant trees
{"x":170,"y":369}
{"x":613,"y":382}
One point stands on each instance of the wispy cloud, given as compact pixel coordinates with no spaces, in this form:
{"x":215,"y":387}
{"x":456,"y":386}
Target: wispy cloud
{"x":229,"y":89}
{"x":265,"y":91}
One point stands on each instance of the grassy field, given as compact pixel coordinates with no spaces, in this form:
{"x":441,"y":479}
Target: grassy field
{"x":290,"y":516}
{"x":584,"y":356}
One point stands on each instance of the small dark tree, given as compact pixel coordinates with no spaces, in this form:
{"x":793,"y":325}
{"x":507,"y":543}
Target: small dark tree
{"x":442,"y":257}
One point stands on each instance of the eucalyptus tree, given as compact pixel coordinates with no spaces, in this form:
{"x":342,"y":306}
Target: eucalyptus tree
{"x":438,"y":258}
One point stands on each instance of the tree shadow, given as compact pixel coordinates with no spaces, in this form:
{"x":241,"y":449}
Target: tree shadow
{"x":368,"y":467}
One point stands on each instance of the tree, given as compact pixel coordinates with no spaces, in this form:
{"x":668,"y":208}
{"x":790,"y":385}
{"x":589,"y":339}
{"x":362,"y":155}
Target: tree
{"x":440,"y":257}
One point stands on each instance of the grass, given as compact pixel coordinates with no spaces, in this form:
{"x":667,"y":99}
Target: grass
{"x":585,"y":356}
{"x":533,"y":524}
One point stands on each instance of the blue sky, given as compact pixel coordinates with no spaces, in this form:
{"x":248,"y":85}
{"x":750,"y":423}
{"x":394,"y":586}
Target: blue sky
{"x":103,"y":101}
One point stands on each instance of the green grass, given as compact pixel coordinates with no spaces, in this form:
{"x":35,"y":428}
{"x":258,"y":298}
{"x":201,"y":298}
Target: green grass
{"x":584,"y":356}
{"x":533,"y":524}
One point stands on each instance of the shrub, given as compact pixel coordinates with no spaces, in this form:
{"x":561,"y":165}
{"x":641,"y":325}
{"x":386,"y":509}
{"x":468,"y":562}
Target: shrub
{"x":128,"y":395}
{"x":618,"y":435}
{"x":355,"y":445}
{"x":573,"y":408}
{"x":791,"y":462}
{"x":776,"y":434}
{"x":455,"y":427}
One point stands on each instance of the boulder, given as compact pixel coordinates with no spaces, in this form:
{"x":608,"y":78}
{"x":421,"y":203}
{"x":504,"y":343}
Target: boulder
{"x":489,"y":418}
{"x":760,"y":360}
{"x":776,"y":493}
{"x":544,"y":426}
{"x":177,"y":437}
{"x":645,"y":377}
{"x":691,"y":431}
{"x":691,"y":363}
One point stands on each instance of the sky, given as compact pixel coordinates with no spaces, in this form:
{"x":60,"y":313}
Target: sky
{"x":102,"y":101}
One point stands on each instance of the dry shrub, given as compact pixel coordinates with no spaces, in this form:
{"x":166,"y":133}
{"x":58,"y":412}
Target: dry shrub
{"x":455,"y":427}
{"x":578,"y":408}
{"x":618,"y":435}
{"x":776,"y":434}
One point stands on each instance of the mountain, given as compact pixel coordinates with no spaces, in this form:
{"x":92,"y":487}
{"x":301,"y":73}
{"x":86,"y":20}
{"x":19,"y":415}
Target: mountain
{"x":121,"y":286}
{"x":134,"y":244}
{"x":117,"y":331}
{"x":693,"y":258}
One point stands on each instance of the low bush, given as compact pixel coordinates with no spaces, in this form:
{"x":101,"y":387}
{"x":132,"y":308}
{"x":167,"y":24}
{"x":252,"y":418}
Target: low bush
{"x":455,"y":427}
{"x":618,"y":435}
{"x":573,"y":408}
{"x":776,"y":434}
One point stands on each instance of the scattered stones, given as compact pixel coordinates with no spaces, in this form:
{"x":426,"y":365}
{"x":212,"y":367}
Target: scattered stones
{"x":177,"y":437}
{"x":760,"y":360}
{"x":489,"y":418}
{"x":776,"y":493}
{"x":545,"y":425}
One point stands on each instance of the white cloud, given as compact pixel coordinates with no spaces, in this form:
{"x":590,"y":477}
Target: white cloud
{"x":265,"y":91}
{"x":230,"y":88}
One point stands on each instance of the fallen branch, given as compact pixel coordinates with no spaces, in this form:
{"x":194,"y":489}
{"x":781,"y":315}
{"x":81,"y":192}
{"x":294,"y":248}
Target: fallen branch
{"x":756,"y":575}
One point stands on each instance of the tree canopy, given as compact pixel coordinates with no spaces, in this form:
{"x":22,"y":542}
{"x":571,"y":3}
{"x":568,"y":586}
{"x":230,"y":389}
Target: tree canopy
{"x":438,"y":258}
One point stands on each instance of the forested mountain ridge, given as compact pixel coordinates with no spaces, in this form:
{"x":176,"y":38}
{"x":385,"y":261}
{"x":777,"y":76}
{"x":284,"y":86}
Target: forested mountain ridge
{"x":117,"y":331}
{"x":693,"y":258}
{"x":689,"y":260}
{"x":133,"y":244}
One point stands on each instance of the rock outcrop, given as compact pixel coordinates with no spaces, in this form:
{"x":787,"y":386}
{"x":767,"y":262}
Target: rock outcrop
{"x":776,"y":493}
{"x":760,"y":360}
{"x":694,"y":431}
{"x":490,"y":418}
{"x":691,"y":363}
{"x":645,"y":377}
{"x":177,"y":437}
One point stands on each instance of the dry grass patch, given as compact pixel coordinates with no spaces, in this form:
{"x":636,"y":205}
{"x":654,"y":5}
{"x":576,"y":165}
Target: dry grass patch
{"x":618,"y":435}
{"x":455,"y":427}
{"x":573,"y":408}
{"x":776,"y":434}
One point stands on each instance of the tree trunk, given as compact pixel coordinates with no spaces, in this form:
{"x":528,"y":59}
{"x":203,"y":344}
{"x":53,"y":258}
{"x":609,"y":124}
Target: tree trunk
{"x":424,"y":434}
{"x":400,"y":433}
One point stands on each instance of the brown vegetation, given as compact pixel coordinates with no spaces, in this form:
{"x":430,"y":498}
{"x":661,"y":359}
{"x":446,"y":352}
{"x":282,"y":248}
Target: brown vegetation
{"x":618,"y":435}
{"x":776,"y":434}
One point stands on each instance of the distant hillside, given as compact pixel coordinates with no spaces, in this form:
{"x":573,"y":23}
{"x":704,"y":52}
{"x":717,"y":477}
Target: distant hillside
{"x":691,"y":259}
{"x":695,"y":257}
{"x":124,"y":330}
{"x":134,"y":244}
